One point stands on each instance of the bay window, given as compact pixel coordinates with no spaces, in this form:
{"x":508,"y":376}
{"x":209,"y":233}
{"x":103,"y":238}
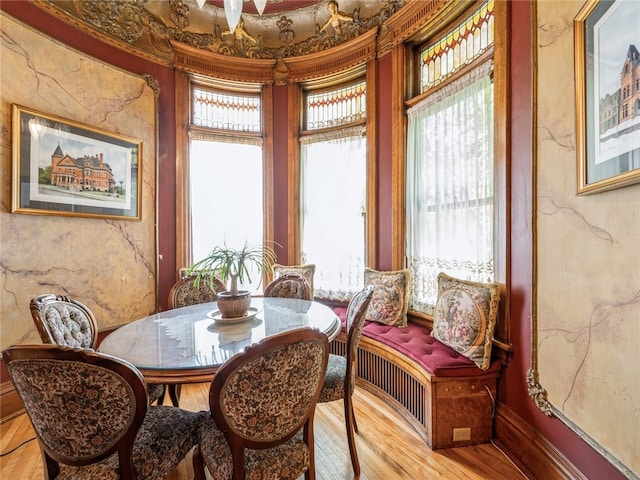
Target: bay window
{"x":333,"y":189}
{"x":225,"y":171}
{"x":450,"y":198}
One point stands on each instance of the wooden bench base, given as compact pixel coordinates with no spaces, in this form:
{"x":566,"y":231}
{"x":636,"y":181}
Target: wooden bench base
{"x":440,"y":409}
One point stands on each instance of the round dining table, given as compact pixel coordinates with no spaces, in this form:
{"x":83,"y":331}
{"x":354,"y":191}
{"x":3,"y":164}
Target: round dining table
{"x":188,"y":344}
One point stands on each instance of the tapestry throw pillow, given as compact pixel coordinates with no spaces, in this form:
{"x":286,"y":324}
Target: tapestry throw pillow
{"x":307,"y":271}
{"x":390,"y":300}
{"x":465,"y":317}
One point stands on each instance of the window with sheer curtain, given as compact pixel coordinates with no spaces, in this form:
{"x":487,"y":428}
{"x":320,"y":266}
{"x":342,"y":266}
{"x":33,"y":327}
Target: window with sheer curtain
{"x":333,"y":180}
{"x":332,"y":205}
{"x":225,"y":172}
{"x":450,"y":186}
{"x":218,"y":172}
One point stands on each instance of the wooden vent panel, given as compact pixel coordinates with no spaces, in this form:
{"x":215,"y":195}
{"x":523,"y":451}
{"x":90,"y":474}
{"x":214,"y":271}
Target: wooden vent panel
{"x":434,"y":406}
{"x":393,"y":384}
{"x":394,"y":381}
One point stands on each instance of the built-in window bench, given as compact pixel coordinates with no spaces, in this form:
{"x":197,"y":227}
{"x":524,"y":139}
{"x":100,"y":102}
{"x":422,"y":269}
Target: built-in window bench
{"x":447,"y":399}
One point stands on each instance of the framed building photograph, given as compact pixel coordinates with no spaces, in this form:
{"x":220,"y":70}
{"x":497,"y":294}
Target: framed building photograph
{"x":607,"y":74}
{"x":62,"y":167}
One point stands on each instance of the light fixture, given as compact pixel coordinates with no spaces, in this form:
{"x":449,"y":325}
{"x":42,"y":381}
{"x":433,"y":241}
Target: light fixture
{"x":233,"y":10}
{"x":260,"y":4}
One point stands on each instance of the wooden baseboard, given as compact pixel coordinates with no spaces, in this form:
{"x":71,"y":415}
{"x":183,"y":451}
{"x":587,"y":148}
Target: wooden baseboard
{"x":531,"y":452}
{"x":10,"y":403}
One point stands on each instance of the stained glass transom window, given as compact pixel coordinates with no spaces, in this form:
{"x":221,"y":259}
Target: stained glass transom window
{"x":226,"y":111}
{"x":458,"y":48}
{"x":336,"y":107}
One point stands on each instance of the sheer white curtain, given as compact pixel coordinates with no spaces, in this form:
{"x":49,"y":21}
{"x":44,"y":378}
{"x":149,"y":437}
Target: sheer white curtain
{"x":450,"y":186}
{"x":226,"y":197}
{"x":332,"y":206}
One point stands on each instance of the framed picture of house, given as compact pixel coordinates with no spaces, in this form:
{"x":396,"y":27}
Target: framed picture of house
{"x":62,"y":167}
{"x":607,"y":69}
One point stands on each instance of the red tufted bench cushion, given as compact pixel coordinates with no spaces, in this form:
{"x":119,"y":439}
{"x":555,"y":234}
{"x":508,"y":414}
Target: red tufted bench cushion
{"x":417,"y":343}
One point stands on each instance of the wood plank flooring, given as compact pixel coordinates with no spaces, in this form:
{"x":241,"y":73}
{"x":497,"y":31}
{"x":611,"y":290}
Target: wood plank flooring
{"x":388,"y":448}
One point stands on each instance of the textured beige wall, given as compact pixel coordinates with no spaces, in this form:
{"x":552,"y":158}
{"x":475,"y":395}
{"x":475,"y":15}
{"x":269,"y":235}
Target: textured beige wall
{"x":588,"y":267}
{"x":107,"y":264}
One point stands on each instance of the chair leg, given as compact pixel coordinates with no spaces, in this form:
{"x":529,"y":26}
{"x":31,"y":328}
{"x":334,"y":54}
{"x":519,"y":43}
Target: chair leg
{"x":310,"y":474}
{"x":198,"y":465}
{"x":350,"y":424}
{"x":51,"y":467}
{"x":160,"y":400}
{"x":174,"y":393}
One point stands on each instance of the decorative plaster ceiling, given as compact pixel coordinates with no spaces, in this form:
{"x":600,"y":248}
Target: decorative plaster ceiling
{"x":287,"y":28}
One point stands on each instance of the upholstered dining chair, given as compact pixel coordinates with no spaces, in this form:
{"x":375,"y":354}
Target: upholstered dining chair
{"x":64,"y":321}
{"x":289,"y":285}
{"x":339,"y":382}
{"x":184,"y":292}
{"x":262,"y":404}
{"x":61,"y":320}
{"x":92,"y":418}
{"x":307,"y":270}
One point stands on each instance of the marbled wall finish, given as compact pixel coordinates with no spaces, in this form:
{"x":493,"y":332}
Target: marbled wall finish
{"x":588,"y":267}
{"x":110,"y":265}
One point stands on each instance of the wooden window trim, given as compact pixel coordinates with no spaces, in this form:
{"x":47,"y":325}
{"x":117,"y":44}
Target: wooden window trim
{"x":183,"y":82}
{"x":404,"y":61}
{"x":295,"y":122}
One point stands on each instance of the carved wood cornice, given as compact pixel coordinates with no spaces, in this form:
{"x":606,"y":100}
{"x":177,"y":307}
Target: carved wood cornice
{"x":342,"y":57}
{"x":406,"y":23}
{"x":281,"y":72}
{"x":173,"y":33}
{"x":202,"y":62}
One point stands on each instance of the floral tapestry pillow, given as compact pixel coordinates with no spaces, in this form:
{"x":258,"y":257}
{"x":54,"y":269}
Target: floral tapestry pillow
{"x":307,"y":271}
{"x":465,"y":317}
{"x":390,"y":296}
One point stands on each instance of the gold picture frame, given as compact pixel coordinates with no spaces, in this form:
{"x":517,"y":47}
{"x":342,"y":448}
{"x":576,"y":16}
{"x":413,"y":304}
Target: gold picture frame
{"x":62,"y":167}
{"x":607,"y":101}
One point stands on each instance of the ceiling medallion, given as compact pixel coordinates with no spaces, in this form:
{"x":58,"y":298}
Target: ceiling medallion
{"x":150,"y":26}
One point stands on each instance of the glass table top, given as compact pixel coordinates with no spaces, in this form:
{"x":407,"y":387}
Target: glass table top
{"x":187,"y":342}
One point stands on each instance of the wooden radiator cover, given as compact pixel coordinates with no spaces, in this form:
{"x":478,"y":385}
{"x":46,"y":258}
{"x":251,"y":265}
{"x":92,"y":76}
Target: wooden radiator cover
{"x":433,"y":406}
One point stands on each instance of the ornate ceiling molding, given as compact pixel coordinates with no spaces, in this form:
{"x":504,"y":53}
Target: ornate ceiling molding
{"x":151,"y":28}
{"x":289,"y":46}
{"x":281,"y":71}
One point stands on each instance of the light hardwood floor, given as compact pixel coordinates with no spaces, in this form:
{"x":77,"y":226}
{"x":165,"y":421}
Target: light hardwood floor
{"x":388,"y":448}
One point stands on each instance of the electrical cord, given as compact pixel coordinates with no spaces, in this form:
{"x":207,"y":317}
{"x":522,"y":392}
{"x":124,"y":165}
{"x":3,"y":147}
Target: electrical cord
{"x":504,"y":454}
{"x":493,"y":414}
{"x":493,"y":402}
{"x":17,"y":447}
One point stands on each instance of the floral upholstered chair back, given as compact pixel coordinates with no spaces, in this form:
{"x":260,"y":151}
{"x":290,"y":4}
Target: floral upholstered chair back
{"x":184,"y":292}
{"x":356,"y":316}
{"x":307,"y":270}
{"x":92,"y":417}
{"x":267,"y":393}
{"x":261,"y":399}
{"x":289,"y":285}
{"x":61,"y":320}
{"x":341,"y":372}
{"x":81,"y":405}
{"x":339,"y":383}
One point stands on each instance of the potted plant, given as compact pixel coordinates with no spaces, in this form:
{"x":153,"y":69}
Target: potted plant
{"x":232,"y":266}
